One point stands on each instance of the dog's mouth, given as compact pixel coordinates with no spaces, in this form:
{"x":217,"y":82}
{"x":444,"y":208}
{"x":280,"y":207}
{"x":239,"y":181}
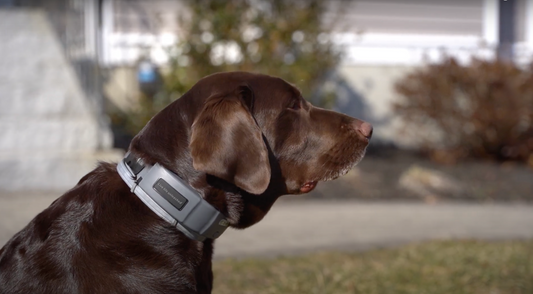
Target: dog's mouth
{"x":338,"y":171}
{"x":308,"y":186}
{"x":334,"y":167}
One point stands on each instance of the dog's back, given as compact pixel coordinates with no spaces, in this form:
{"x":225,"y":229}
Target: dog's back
{"x":91,"y":240}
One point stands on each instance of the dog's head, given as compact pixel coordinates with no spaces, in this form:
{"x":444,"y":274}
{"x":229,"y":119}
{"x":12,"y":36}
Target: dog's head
{"x":255,"y":132}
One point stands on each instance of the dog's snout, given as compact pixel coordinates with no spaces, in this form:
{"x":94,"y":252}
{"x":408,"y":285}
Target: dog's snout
{"x":364,"y":129}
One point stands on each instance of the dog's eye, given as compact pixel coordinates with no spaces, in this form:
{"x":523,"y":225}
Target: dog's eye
{"x":296,"y":105}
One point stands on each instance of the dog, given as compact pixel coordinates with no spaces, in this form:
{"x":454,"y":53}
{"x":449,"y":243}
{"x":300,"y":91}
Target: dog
{"x":240,"y":140}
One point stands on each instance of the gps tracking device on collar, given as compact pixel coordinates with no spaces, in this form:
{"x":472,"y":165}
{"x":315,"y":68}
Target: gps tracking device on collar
{"x":172,"y":199}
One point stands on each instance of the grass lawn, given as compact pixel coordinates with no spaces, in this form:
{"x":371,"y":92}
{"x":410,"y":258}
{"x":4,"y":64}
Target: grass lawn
{"x":443,"y":267}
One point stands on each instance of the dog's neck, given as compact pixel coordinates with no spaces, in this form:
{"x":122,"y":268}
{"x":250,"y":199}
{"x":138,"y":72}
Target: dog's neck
{"x":240,"y":208}
{"x":169,"y":148}
{"x":172,"y":199}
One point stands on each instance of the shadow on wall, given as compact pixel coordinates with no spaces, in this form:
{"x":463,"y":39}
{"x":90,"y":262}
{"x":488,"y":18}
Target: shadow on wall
{"x":351,"y":102}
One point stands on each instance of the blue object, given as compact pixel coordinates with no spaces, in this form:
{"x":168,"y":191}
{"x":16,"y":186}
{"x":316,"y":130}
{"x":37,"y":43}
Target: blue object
{"x":146,"y":72}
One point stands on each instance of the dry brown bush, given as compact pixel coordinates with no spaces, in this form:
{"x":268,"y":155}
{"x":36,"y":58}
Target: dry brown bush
{"x":482,"y":110}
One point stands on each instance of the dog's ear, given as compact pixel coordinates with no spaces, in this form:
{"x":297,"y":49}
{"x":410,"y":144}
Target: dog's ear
{"x":226,"y":142}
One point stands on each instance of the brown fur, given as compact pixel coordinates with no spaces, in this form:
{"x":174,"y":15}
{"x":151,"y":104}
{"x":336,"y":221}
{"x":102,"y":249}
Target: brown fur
{"x":240,"y":139}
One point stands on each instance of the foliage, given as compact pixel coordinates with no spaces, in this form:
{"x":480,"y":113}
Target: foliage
{"x":280,"y":38}
{"x":434,"y":268}
{"x":483,"y":110}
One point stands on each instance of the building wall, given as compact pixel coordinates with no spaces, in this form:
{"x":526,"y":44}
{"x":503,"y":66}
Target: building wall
{"x":51,"y":135}
{"x":367,"y":92}
{"x":147,"y":17}
{"x":451,"y":17}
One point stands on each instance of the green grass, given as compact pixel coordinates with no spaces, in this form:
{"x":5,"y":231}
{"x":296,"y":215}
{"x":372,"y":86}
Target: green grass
{"x":431,"y":268}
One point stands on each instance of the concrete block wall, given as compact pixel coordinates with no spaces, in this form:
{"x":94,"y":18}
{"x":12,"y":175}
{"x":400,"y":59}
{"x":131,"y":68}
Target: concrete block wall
{"x":49,"y":133}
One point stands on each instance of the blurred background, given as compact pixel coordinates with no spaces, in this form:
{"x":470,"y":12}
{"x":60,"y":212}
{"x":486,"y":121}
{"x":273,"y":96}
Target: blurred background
{"x":448,"y":86}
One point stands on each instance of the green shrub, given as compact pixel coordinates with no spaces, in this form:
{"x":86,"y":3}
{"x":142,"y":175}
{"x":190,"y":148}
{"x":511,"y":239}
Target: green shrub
{"x":482,"y":110}
{"x":280,"y":38}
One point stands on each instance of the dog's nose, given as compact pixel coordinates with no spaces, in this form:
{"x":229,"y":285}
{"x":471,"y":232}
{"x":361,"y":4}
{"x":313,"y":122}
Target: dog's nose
{"x":365,"y":129}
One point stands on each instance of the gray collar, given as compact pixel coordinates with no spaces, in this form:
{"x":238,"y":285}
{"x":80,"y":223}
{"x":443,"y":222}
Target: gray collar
{"x":172,"y":199}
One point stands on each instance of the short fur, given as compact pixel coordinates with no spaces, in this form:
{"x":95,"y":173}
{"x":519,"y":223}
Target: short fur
{"x":240,"y":139}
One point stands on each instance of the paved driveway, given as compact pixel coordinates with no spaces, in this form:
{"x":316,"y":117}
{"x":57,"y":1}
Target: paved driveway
{"x":302,"y":226}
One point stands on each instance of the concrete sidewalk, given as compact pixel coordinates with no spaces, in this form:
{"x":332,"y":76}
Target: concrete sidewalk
{"x":299,"y":227}
{"x":295,"y":227}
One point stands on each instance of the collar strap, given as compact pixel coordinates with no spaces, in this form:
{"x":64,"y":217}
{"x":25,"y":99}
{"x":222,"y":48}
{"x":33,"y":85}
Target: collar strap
{"x":172,"y":199}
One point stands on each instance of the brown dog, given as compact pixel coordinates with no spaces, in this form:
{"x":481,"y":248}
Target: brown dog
{"x":240,"y":139}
